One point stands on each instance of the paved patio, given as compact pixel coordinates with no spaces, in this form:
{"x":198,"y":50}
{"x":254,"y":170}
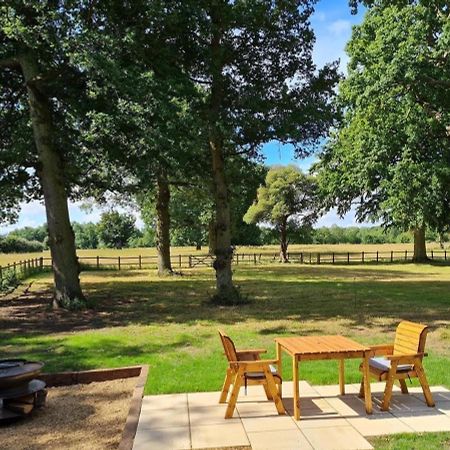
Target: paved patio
{"x":329,"y":421}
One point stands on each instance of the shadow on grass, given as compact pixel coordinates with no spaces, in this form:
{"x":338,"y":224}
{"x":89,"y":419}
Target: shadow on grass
{"x":296,"y":293}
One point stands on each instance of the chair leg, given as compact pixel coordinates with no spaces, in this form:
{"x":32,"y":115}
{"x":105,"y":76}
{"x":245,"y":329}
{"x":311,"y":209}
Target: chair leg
{"x":274,"y":391}
{"x":403,"y":386}
{"x":226,"y":386}
{"x":268,"y":394}
{"x":389,"y":385}
{"x":234,"y":394}
{"x":423,"y":382}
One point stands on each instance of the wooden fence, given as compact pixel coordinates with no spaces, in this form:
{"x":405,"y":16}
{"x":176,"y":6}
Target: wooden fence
{"x":22,"y":269}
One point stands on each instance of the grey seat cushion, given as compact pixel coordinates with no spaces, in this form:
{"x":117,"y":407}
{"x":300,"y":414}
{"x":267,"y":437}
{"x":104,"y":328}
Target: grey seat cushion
{"x":260,"y":375}
{"x":384,"y":364}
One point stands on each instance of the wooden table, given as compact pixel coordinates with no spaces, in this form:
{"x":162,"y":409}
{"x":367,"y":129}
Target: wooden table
{"x":309,"y":348}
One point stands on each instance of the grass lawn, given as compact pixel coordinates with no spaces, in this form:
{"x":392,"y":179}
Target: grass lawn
{"x":6,"y":258}
{"x":166,"y":323}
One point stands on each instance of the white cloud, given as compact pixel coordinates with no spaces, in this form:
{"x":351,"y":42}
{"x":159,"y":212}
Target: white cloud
{"x":340,"y":27}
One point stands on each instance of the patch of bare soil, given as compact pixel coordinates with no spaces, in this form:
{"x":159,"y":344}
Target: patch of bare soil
{"x":75,"y":417}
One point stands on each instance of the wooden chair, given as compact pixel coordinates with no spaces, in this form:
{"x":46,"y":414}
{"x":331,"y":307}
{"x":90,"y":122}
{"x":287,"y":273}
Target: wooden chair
{"x":400,"y":360}
{"x":246,"y":367}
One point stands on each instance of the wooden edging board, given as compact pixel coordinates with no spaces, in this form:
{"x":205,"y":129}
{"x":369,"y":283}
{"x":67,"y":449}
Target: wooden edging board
{"x":90,"y":376}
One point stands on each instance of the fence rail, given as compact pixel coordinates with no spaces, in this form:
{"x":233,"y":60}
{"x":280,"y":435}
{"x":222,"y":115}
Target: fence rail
{"x":23,"y":269}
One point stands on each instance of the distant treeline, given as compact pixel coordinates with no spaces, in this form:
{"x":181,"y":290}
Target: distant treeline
{"x":90,"y":236}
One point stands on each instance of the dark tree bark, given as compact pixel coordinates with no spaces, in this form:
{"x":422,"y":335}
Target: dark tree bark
{"x":283,"y":242}
{"x":212,"y":237}
{"x":51,"y":174}
{"x":225,"y":290}
{"x":420,"y":249}
{"x":163,"y":224}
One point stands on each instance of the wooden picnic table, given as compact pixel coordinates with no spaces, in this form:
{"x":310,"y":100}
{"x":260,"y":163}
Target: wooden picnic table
{"x":310,"y":348}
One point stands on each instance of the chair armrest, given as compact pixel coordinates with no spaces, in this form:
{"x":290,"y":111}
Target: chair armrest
{"x":381,"y":350}
{"x":406,"y":359}
{"x":252,"y":350}
{"x":265,"y":362}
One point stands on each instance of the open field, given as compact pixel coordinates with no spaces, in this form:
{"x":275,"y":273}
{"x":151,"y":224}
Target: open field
{"x":6,"y":258}
{"x":167,"y":323}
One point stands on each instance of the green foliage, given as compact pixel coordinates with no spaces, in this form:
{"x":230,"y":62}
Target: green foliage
{"x":15,"y":244}
{"x":116,"y":229}
{"x":288,"y":194}
{"x":9,"y":280}
{"x":86,"y":235}
{"x":391,"y":154}
{"x":39,"y":233}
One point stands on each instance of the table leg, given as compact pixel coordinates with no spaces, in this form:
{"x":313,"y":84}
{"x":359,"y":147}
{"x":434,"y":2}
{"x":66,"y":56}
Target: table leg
{"x":295,"y":386}
{"x":341,"y":377}
{"x":366,"y":375}
{"x":279,"y":368}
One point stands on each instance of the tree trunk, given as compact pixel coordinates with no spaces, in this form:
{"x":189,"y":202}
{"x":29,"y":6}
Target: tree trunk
{"x":212,"y":236}
{"x":163,"y":224}
{"x":226,"y":293}
{"x":420,"y":249}
{"x":283,"y":242}
{"x":51,"y":174}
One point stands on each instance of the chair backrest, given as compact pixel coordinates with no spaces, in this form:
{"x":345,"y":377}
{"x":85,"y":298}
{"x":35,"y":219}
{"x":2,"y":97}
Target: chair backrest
{"x":228,"y":346}
{"x":410,"y":338}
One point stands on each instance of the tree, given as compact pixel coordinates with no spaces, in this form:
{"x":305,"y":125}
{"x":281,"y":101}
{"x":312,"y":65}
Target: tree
{"x":46,"y":54}
{"x":116,"y":229}
{"x":253,"y":61}
{"x":391,"y":153}
{"x":86,"y":235}
{"x":288,"y":195}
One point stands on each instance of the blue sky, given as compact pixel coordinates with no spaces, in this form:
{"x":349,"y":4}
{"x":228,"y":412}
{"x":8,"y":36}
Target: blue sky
{"x":332,"y":23}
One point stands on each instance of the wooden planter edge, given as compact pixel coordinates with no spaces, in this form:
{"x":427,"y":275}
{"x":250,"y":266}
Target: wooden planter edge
{"x":96,"y":375}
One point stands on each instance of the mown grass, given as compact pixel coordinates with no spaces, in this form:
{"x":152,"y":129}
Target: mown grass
{"x":6,"y":258}
{"x":168,"y":324}
{"x":412,"y":441}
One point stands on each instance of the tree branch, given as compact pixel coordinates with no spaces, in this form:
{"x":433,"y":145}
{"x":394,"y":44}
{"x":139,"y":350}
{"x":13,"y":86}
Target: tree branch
{"x":9,"y":63}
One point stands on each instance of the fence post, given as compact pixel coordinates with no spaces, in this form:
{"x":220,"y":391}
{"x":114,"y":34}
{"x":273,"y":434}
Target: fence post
{"x":377,"y":255}
{"x":179,"y":261}
{"x":1,"y":274}
{"x":333,"y":258}
{"x":318,"y":258}
{"x":406,"y":255}
{"x":310,"y":257}
{"x":362,"y":257}
{"x":190,"y":261}
{"x":237,"y":259}
{"x":14,"y":268}
{"x":98,"y":262}
{"x":118,"y":262}
{"x":140,"y":261}
{"x":301,"y":257}
{"x":254,"y":258}
{"x":432,"y":254}
{"x":348,"y":257}
{"x":445,"y":255}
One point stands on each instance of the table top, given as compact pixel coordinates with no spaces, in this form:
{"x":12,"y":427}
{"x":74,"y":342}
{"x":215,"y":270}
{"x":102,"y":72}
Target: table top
{"x":320,"y":345}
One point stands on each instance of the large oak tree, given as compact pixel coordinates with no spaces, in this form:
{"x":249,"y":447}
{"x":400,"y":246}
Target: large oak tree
{"x":391,"y":155}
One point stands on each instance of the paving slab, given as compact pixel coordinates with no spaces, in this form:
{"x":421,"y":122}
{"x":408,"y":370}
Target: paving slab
{"x":328,"y":420}
{"x":218,"y":435}
{"x":287,"y":440}
{"x":175,"y":438}
{"x":336,"y":438}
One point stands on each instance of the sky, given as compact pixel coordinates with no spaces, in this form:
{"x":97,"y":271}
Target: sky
{"x":332,"y":23}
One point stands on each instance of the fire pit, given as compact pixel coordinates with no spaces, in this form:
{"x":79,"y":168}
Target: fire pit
{"x":20,"y":392}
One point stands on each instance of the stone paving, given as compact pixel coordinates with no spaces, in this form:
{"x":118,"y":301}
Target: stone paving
{"x":328,"y":420}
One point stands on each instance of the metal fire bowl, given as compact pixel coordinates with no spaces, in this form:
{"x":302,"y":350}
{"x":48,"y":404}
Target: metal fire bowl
{"x":17,"y":371}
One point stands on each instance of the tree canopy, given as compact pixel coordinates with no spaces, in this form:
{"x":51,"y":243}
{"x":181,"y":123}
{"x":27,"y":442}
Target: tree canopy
{"x":391,"y":154}
{"x":287,"y":195}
